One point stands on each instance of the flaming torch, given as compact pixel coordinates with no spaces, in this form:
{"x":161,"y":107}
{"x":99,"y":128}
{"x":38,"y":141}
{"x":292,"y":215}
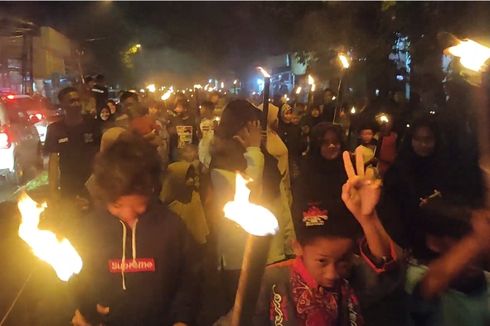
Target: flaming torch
{"x":473,"y":56}
{"x":311,"y":82}
{"x":261,"y":224}
{"x":60,"y":254}
{"x":267,"y":85}
{"x":344,"y":61}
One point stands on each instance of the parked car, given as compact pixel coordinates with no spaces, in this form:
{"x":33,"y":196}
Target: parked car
{"x":20,"y":144}
{"x":36,"y":109}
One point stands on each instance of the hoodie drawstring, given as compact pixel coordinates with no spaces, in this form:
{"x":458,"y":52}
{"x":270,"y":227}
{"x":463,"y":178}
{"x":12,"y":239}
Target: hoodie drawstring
{"x":133,"y":239}
{"x":133,"y":247}
{"x":123,"y":258}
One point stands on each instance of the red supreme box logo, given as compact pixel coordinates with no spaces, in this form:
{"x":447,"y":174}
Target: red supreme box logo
{"x":137,"y":265}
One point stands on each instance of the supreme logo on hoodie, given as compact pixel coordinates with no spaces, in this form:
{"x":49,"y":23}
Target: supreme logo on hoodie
{"x":136,"y":265}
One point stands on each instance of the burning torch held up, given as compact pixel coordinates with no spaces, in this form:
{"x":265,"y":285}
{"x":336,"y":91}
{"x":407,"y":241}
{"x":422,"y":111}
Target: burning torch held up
{"x":261,"y":224}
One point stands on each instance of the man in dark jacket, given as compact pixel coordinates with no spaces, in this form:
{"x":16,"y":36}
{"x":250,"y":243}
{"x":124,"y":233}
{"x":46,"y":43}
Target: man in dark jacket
{"x":139,"y":263}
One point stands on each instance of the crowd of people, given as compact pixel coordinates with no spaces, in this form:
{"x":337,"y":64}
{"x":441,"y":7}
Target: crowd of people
{"x":380,"y":210}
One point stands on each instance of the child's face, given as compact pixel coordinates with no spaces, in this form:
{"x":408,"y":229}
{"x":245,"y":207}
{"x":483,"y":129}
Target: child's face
{"x":423,"y":142}
{"x":366,"y":136}
{"x":152,"y":110}
{"x":287,"y":116}
{"x":295,"y":119}
{"x":105,"y":114}
{"x":315,"y":113}
{"x":328,"y":260}
{"x":128,"y":208}
{"x":179,"y":109}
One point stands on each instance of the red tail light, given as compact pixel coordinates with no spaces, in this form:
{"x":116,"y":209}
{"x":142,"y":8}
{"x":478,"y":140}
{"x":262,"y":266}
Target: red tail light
{"x":5,"y":141}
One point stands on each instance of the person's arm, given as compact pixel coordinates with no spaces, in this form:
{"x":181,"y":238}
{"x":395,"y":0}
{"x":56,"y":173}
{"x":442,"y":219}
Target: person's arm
{"x":446,"y":268}
{"x":53,"y":174}
{"x":250,"y":138}
{"x":360,"y":194}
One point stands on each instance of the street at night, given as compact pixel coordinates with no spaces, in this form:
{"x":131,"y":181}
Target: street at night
{"x":229,"y":163}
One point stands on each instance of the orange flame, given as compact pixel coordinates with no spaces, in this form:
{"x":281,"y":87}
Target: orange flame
{"x":254,"y":219}
{"x":61,"y":255}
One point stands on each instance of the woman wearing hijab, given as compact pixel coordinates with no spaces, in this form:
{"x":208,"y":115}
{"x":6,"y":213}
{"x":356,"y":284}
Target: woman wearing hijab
{"x":322,"y":171}
{"x":423,"y":171}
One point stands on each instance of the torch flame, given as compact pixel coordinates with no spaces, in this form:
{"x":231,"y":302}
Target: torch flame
{"x":311,"y":81}
{"x":61,"y":255}
{"x":472,"y":55}
{"x":265,"y":73}
{"x":344,"y":61}
{"x":167,"y":94}
{"x":151,"y":88}
{"x":383,"y":118}
{"x":254,"y":219}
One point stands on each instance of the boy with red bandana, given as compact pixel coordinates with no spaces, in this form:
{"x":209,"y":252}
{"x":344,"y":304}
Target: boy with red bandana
{"x":327,"y":284}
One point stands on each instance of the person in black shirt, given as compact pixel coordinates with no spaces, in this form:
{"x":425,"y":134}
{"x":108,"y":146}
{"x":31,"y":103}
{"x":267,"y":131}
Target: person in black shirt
{"x":100,"y":92}
{"x":71,"y":143}
{"x":183,"y":129}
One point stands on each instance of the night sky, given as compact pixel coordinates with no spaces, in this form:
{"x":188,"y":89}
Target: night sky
{"x":178,"y":38}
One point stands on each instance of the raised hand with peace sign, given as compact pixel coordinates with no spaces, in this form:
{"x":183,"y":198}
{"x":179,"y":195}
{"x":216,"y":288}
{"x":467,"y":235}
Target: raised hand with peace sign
{"x":362,"y":191}
{"x":361,"y":194}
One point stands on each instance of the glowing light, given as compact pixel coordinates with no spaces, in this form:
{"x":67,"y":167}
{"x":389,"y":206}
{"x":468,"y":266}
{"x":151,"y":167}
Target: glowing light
{"x":298,"y":90}
{"x":344,"y":61}
{"x":263,"y":72}
{"x":353,"y":110}
{"x":311,"y":80}
{"x":60,"y":254}
{"x":167,"y":94}
{"x":432,"y":112}
{"x":210,"y":81}
{"x":151,"y":88}
{"x":197,"y":86}
{"x":222,"y":85}
{"x":235,"y":82}
{"x":142,"y":90}
{"x":217,"y":119}
{"x":334,"y":98}
{"x":313,"y":87}
{"x":384,"y":118}
{"x":10,"y":97}
{"x":138,"y":46}
{"x":472,"y":55}
{"x":408,"y":125}
{"x":253,"y":218}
